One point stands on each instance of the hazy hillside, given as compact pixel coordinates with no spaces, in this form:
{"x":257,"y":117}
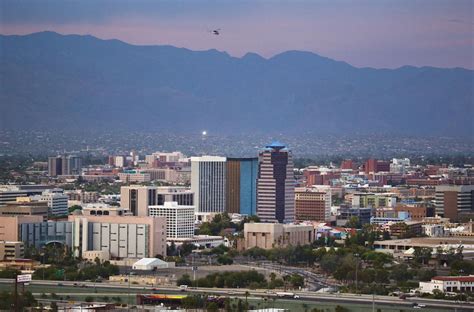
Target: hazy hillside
{"x":54,"y":81}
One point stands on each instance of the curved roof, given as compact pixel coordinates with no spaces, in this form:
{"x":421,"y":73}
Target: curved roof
{"x":276,"y":144}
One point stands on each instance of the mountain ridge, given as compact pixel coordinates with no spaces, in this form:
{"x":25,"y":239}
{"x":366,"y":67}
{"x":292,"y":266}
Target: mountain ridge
{"x":52,"y":80}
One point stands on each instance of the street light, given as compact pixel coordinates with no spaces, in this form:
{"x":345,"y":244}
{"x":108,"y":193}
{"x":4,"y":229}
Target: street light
{"x":357,"y":269}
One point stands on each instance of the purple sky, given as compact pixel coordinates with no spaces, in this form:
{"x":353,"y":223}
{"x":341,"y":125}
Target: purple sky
{"x":377,"y":33}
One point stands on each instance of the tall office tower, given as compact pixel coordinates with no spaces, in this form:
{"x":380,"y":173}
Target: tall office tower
{"x":313,"y":203}
{"x":275,"y":184}
{"x":208,"y":182}
{"x":455,"y":201}
{"x":55,"y":166}
{"x":241,"y":185}
{"x":74,"y":165}
{"x":137,"y":198}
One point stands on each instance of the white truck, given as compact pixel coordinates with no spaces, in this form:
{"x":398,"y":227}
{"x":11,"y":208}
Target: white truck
{"x":284,"y":294}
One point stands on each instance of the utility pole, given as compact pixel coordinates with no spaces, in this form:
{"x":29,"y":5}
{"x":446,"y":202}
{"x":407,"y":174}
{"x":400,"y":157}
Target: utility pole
{"x":16,"y":294}
{"x":357,"y":269}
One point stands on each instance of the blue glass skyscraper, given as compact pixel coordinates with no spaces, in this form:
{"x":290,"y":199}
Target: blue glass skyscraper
{"x":241,"y":192}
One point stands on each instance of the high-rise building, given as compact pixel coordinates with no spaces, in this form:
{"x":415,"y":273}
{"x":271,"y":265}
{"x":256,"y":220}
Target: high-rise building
{"x":454,"y":201}
{"x":208,"y":182}
{"x":64,"y":165}
{"x":74,"y":165}
{"x":137,"y":198}
{"x":179,"y":219}
{"x":241,"y":187}
{"x":313,"y":203}
{"x":275,"y":184}
{"x":55,"y":166}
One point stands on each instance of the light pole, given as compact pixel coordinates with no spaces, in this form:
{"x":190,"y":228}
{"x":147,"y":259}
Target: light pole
{"x":357,"y":269}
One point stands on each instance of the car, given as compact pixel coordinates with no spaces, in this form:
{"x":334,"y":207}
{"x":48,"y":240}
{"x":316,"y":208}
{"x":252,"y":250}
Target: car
{"x":296,"y":296}
{"x":416,"y":307}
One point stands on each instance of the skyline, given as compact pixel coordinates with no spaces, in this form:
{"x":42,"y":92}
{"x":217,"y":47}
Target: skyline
{"x":380,"y":34}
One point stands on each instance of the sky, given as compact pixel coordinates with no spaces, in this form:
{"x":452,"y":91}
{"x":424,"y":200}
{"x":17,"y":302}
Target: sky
{"x":376,"y":33}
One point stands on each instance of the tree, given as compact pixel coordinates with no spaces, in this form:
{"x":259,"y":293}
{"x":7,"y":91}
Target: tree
{"x":422,"y":255}
{"x":74,"y":207}
{"x":354,"y":223}
{"x":184,"y":280}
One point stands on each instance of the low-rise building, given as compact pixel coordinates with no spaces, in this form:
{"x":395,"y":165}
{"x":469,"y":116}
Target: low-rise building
{"x":24,"y":206}
{"x":205,"y":241}
{"x":271,"y":235}
{"x":406,"y":229}
{"x":433,"y":230}
{"x":11,"y":250}
{"x":460,"y":284}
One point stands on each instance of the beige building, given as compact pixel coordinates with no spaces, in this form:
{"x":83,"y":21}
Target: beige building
{"x":137,"y":198}
{"x":11,"y":250}
{"x":271,"y":235}
{"x":92,"y":255}
{"x":10,"y":226}
{"x":121,"y":236}
{"x":313,"y":203}
{"x":25,"y":207}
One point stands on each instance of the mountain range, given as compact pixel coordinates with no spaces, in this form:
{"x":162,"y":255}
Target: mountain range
{"x":53,"y":81}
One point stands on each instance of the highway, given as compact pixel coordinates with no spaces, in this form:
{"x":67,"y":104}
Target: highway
{"x":108,"y":288}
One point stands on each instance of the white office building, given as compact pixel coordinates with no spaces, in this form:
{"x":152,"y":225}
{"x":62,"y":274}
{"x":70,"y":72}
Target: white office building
{"x":179,"y":219}
{"x":208,"y":182}
{"x":57,"y":202}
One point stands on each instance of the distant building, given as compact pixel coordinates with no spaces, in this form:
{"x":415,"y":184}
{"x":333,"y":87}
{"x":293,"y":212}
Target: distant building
{"x":9,"y":193}
{"x":345,"y":214}
{"x":208,"y":182}
{"x":399,"y":165}
{"x":241,"y":187}
{"x":372,"y":200}
{"x":64,"y":165}
{"x":454,"y":201}
{"x":417,"y":212}
{"x":275,"y":184}
{"x":347,"y":164}
{"x":313,"y":204}
{"x":134,"y":176}
{"x":57,"y":202}
{"x":180,"y":194}
{"x":179,"y":219}
{"x":137,"y":198}
{"x":11,"y":250}
{"x":374,"y":166}
{"x":406,"y":229}
{"x":272,"y":235}
{"x":24,"y":206}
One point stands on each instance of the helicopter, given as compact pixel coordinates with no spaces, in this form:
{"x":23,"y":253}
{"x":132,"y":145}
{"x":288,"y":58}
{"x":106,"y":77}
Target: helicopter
{"x":215,"y":32}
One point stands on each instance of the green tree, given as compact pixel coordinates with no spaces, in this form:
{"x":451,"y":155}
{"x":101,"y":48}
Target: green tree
{"x":184,"y":280}
{"x":74,"y":207}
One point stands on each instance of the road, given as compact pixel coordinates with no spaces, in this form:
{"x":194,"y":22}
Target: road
{"x":313,"y":280}
{"x":303,"y":295}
